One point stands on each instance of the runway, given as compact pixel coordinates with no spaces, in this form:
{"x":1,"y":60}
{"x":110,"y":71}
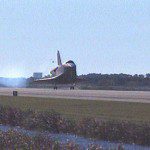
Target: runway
{"x":107,"y":95}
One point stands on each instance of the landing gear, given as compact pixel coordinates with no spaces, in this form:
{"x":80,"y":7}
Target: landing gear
{"x":55,"y":87}
{"x":72,"y":88}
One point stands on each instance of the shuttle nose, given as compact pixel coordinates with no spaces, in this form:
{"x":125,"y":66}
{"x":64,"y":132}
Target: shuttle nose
{"x":71,"y":65}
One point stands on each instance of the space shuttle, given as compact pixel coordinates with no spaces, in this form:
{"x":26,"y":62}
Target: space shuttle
{"x":62,"y":74}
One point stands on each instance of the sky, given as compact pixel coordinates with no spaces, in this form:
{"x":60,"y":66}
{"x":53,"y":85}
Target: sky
{"x":100,"y":36}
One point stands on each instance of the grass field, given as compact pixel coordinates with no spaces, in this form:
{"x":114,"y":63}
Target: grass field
{"x":78,"y":109}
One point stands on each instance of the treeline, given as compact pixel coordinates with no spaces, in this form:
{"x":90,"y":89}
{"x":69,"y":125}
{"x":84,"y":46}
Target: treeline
{"x":93,"y":81}
{"x":114,"y":81}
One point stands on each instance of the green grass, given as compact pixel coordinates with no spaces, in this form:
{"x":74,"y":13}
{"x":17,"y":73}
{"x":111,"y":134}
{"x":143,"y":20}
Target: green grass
{"x":77,"y":109}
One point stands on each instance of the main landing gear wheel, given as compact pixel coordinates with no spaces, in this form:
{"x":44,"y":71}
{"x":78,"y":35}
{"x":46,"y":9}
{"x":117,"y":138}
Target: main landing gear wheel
{"x":55,"y":87}
{"x":72,"y":88}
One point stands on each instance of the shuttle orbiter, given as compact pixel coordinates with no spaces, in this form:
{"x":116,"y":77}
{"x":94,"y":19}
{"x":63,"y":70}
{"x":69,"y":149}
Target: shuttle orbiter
{"x":62,"y":74}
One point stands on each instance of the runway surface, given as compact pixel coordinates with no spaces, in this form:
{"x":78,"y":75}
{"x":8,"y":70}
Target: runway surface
{"x":129,"y":96}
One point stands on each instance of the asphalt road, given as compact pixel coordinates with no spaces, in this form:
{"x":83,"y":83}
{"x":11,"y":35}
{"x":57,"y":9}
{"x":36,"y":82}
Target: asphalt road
{"x":129,"y":96}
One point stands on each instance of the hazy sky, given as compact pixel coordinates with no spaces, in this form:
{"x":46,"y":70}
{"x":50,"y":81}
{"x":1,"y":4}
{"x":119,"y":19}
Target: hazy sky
{"x":101,"y":36}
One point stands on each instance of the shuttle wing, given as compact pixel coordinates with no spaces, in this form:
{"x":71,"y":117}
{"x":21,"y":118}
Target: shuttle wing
{"x":48,"y":79}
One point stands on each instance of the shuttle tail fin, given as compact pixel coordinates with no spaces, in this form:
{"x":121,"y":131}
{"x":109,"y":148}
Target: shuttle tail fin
{"x":59,"y":59}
